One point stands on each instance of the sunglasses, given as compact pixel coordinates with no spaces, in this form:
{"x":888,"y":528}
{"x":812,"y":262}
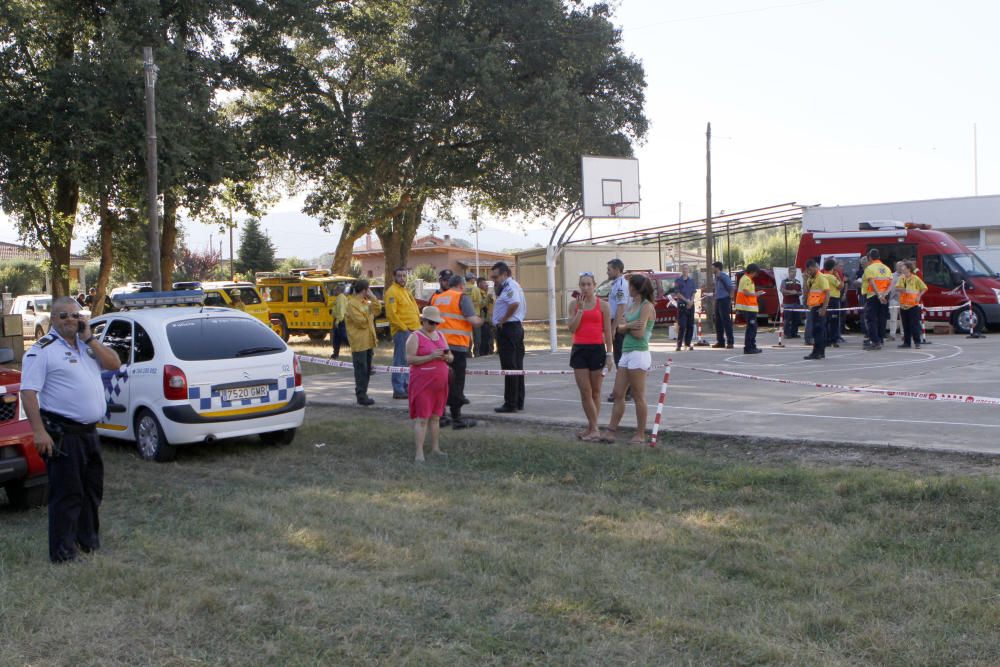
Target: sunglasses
{"x":64,"y":315}
{"x":432,"y":323}
{"x":586,"y":273}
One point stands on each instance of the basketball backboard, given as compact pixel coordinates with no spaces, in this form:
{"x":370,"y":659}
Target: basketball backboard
{"x":610,"y":187}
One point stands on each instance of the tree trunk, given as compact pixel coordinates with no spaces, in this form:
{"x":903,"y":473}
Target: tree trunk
{"x":398,"y":238}
{"x":104,"y":275}
{"x":67,"y":199}
{"x":168,"y":238}
{"x":341,"y":265}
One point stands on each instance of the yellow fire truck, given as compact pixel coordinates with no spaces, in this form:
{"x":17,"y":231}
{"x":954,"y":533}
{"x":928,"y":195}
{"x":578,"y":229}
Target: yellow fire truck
{"x":301,"y":301}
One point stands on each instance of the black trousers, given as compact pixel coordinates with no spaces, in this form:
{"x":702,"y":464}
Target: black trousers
{"x":818,"y":332}
{"x":833,"y":321}
{"x":456,"y":382}
{"x":616,"y":346}
{"x":338,"y":336}
{"x":76,"y":488}
{"x":724,"y":322}
{"x":510,"y":346}
{"x":912,"y":335}
{"x":793,"y":319}
{"x":486,"y":340}
{"x":876,"y":316}
{"x":362,"y":371}
{"x":750,"y":335}
{"x":685,"y":325}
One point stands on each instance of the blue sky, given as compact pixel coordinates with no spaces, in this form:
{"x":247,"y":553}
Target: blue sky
{"x":819,"y":102}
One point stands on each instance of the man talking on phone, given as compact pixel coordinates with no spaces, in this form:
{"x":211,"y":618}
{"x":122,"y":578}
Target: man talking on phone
{"x":63,"y":397}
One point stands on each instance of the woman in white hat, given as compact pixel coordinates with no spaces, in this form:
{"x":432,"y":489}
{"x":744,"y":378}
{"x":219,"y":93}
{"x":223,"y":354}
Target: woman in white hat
{"x":428,"y":355}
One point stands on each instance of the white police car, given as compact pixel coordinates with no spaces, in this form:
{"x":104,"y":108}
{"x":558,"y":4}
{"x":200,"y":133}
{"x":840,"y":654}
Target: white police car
{"x":195,"y":374}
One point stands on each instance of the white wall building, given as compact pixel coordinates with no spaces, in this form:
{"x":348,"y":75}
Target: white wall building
{"x":973,"y":221}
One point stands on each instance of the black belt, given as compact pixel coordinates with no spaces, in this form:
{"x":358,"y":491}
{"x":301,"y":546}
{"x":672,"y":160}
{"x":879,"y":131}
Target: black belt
{"x":511,"y":323}
{"x":59,"y":424}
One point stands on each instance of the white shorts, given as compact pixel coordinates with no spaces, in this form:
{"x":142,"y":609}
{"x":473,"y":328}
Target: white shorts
{"x":635,"y":360}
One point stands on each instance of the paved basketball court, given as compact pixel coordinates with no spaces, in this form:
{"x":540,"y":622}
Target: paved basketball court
{"x":706,"y":403}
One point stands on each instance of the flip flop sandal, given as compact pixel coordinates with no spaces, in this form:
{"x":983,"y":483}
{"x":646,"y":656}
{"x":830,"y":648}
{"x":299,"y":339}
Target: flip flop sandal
{"x":609,"y":435}
{"x":593,"y":437}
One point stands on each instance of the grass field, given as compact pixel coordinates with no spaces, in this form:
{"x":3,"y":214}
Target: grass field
{"x":522,"y":548}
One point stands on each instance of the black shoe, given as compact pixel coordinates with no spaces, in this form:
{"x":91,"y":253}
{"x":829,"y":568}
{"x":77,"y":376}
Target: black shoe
{"x":729,"y":347}
{"x":677,"y":349}
{"x":520,"y":408}
{"x":814,"y":356}
{"x":690,"y":349}
{"x":836,"y":344}
{"x":505,"y":409}
{"x":917,"y":347}
{"x":611,"y":398}
{"x":400,"y":394}
{"x":462,"y":422}
{"x":335,"y":356}
{"x":905,"y":346}
{"x":364,"y":400}
{"x":753,"y":351}
{"x":465,"y":401}
{"x":718,"y":346}
{"x":872,"y":348}
{"x":445,"y":421}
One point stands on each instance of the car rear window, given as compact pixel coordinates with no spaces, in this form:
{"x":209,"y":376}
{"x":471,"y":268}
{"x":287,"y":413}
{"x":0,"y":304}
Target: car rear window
{"x":206,"y":338}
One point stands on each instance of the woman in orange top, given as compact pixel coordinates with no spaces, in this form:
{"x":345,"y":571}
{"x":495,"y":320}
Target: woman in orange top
{"x":910,"y":289}
{"x":590,"y":324}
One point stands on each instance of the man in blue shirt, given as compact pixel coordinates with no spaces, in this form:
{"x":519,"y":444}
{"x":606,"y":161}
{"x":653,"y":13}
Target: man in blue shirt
{"x":508,"y":314}
{"x":723,"y":307}
{"x":618,"y":299}
{"x":685,"y":287}
{"x":63,"y":397}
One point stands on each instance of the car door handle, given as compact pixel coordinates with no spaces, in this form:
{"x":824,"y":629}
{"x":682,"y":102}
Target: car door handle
{"x":117,"y":407}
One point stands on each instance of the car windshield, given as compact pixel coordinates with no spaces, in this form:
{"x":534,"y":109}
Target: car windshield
{"x":205,"y":338}
{"x":969,"y":264}
{"x":44,"y":305}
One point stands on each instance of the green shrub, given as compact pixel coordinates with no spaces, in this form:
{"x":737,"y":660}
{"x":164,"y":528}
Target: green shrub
{"x":20,"y":277}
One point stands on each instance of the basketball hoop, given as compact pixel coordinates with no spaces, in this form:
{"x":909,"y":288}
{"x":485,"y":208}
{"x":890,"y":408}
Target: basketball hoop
{"x":619,"y":205}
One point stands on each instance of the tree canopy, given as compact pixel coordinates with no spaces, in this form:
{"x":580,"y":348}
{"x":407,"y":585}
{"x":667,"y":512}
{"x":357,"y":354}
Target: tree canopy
{"x":256,"y":252}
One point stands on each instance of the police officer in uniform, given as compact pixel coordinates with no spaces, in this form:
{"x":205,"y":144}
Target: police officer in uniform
{"x":63,"y":397}
{"x":508,"y":314}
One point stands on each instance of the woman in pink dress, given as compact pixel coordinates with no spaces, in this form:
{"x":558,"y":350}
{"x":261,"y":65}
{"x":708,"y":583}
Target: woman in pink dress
{"x":428,"y":355}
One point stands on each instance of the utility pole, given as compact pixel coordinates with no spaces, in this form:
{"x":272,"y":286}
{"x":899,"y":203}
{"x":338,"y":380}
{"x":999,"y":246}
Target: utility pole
{"x":150,"y":71}
{"x":475,"y":227}
{"x":677,"y":252}
{"x":975,"y":161}
{"x":709,"y":241}
{"x":232,"y":265}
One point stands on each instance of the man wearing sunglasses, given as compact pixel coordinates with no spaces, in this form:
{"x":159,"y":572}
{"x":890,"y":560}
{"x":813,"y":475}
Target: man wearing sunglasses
{"x":63,"y":397}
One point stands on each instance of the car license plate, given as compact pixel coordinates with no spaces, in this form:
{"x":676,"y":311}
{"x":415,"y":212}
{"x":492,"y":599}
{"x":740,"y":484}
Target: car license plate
{"x":240,"y":393}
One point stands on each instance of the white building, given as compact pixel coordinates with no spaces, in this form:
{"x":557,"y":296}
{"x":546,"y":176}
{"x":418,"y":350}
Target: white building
{"x":973,"y":221}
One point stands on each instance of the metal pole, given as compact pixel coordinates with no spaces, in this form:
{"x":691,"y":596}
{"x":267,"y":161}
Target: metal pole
{"x":709,"y":257}
{"x":659,"y":250}
{"x":475,"y":226}
{"x":232,"y":263}
{"x":678,"y":242}
{"x":786,"y":245}
{"x":152,"y":205}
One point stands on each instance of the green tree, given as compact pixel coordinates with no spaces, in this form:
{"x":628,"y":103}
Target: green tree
{"x":256,"y":252}
{"x":397,"y":103}
{"x":21,"y":277}
{"x":425,"y":272}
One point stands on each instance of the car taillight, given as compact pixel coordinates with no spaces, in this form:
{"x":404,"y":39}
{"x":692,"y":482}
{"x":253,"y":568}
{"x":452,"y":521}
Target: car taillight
{"x":298,"y":371}
{"x":175,"y":385}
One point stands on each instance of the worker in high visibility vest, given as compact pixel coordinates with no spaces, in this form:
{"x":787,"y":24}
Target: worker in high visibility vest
{"x":875,"y":285}
{"x":836,"y":285}
{"x":746,"y":303}
{"x":459,"y":318}
{"x":911,"y":289}
{"x":817,"y":300}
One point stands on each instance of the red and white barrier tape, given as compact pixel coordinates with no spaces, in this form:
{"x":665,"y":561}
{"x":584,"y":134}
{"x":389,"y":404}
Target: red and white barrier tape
{"x":468,"y":371}
{"x":891,"y":393}
{"x":659,"y":404}
{"x":937,"y":310}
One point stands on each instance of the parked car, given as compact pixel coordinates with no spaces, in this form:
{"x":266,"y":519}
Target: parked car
{"x":947,"y":266}
{"x":663,"y":287}
{"x":35,"y":310}
{"x":22,"y":470}
{"x":195,"y":374}
{"x":220,"y":294}
{"x":301,"y":301}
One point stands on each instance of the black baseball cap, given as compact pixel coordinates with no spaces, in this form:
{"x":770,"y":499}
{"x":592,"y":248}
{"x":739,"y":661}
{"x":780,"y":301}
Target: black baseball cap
{"x":445,"y":274}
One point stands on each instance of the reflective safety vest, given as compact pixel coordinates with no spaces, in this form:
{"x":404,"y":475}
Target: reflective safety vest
{"x":834,"y":282}
{"x":818,"y":287}
{"x":909,"y":289}
{"x":746,"y":302}
{"x":456,"y":329}
{"x":877,"y":273}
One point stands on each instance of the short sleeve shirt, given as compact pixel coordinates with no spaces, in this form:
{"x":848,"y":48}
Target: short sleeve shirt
{"x":618,"y":296}
{"x":67,"y":379}
{"x":510,"y":292}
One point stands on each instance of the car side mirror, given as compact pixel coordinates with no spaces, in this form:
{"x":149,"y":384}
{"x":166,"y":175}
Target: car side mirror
{"x":6,"y":355}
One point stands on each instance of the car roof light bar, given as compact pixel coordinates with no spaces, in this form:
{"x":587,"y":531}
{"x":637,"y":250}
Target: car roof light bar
{"x":154,"y":299}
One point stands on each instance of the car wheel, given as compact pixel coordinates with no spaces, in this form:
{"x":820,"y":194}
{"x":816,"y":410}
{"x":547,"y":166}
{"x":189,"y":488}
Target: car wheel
{"x":317,"y":336}
{"x":25,"y":498}
{"x":278,"y":437}
{"x":966,"y":321}
{"x":39,"y":333}
{"x":280,"y":327}
{"x":150,"y":440}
